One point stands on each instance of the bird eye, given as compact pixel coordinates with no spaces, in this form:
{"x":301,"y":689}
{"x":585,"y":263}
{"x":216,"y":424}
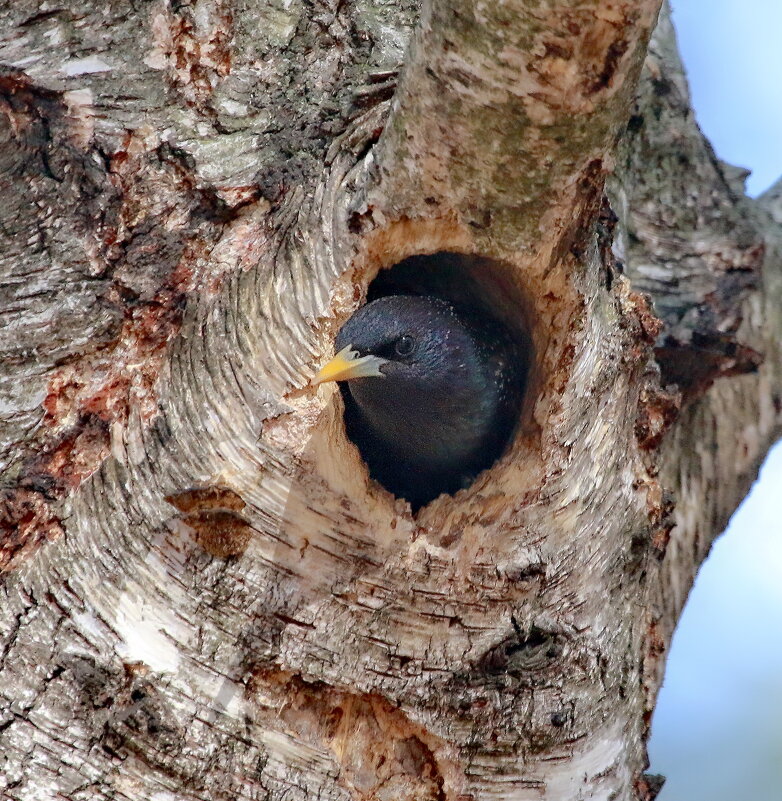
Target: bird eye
{"x":404,"y":345}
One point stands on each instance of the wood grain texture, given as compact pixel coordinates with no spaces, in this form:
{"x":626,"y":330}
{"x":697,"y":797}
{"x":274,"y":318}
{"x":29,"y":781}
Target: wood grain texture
{"x":204,"y":594}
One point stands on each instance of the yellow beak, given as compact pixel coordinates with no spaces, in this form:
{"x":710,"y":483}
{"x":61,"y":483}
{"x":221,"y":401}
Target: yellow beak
{"x":347,"y":364}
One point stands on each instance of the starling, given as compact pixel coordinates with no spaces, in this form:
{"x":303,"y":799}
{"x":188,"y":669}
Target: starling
{"x":432,"y":392}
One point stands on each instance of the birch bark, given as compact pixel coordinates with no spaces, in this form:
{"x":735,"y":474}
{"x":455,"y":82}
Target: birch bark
{"x":204,"y":596}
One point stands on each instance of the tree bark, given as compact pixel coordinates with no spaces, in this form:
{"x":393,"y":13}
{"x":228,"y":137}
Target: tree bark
{"x":204,"y":595}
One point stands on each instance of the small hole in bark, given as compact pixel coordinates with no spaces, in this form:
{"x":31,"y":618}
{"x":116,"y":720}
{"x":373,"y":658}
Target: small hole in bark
{"x":635,"y":123}
{"x":448,"y":404}
{"x":521,"y":653}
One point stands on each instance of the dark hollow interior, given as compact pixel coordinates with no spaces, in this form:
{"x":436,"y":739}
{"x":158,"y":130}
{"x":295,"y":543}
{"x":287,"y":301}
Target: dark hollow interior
{"x":473,"y":284}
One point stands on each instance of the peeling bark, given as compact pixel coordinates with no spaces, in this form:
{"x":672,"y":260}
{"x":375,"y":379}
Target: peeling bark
{"x":204,"y":595}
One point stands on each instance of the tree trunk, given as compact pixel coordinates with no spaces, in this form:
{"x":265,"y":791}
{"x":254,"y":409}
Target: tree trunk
{"x":204,"y":594}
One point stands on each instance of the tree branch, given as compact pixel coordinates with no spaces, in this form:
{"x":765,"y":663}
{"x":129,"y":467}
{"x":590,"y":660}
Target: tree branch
{"x":507,"y":112}
{"x":710,"y":259}
{"x":229,"y":606}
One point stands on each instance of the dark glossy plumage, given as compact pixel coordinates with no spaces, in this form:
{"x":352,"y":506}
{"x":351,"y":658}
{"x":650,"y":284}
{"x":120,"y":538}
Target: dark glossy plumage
{"x":448,"y":400}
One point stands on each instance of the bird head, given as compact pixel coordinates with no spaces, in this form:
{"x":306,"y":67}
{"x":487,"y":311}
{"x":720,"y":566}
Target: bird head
{"x":430,"y":398}
{"x":412,"y":367}
{"x":401,"y":337}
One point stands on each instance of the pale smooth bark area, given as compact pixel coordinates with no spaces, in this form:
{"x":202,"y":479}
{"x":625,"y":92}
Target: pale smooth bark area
{"x":204,"y":596}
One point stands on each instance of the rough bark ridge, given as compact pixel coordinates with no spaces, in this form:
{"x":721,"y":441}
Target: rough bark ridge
{"x":204,"y":596}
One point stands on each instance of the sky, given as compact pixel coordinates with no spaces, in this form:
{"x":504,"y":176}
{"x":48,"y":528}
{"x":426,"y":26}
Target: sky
{"x":732,"y":50}
{"x":717,"y":730}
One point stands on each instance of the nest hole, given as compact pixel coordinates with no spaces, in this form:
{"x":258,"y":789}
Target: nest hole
{"x":483,"y":292}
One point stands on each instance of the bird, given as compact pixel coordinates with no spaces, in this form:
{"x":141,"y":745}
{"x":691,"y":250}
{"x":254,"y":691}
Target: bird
{"x":432,"y":392}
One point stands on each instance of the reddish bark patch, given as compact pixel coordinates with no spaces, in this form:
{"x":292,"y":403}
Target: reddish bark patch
{"x":144,"y":225}
{"x":561,"y":373}
{"x":657,"y":411}
{"x":694,"y":366}
{"x":26,"y":521}
{"x":73,"y":457}
{"x":197,"y":54}
{"x":380,"y":752}
{"x":594,"y":42}
{"x":212,"y":497}
{"x":659,"y":508}
{"x":647,"y":786}
{"x":219,"y":532}
{"x":576,"y":237}
{"x":26,"y":516}
{"x":611,"y":59}
{"x":211,"y":514}
{"x":650,"y":324}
